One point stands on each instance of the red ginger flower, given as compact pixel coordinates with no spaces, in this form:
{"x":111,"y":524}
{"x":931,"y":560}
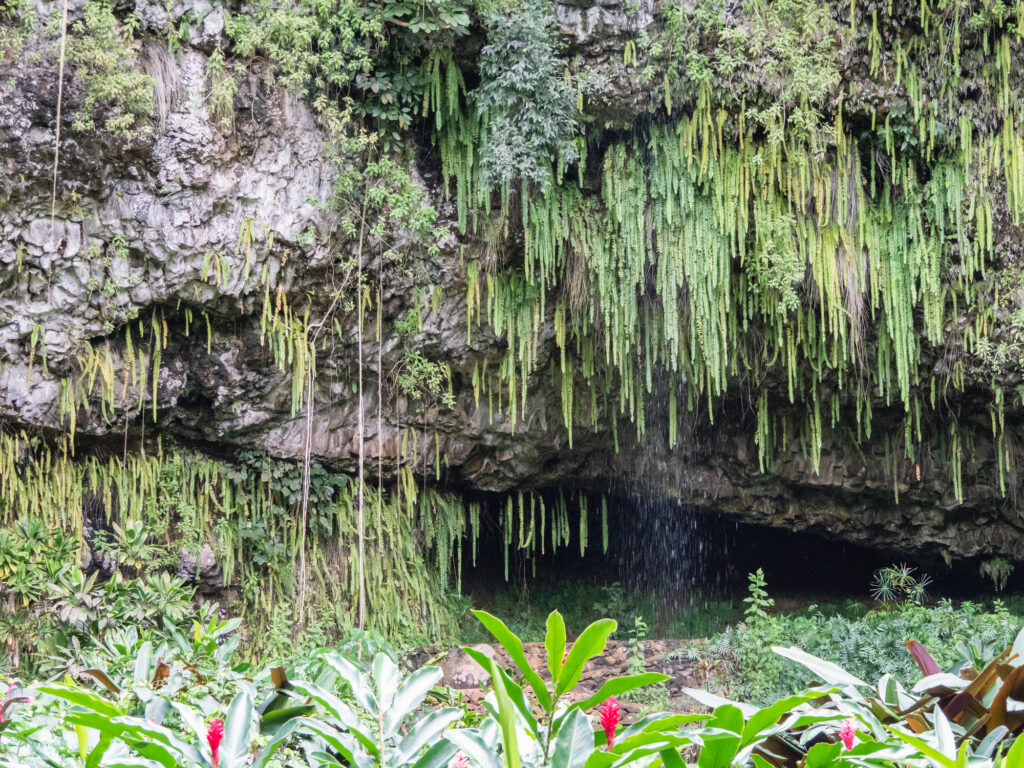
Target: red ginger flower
{"x":459,"y":761}
{"x":610,"y":719}
{"x":847,"y":733}
{"x":214,"y":734}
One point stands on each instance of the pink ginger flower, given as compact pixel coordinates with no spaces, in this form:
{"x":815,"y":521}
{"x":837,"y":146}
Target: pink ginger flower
{"x":609,"y":719}
{"x":847,"y":733}
{"x":214,"y":734}
{"x":459,"y":761}
{"x":565,"y":655}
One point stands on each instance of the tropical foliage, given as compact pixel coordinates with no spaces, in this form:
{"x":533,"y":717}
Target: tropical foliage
{"x":180,"y":702}
{"x":868,"y":643}
{"x":54,"y":611}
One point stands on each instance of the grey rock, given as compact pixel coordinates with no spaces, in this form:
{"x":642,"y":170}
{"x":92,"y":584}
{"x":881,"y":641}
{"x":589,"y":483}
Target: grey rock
{"x":461,"y":671}
{"x":203,"y":570}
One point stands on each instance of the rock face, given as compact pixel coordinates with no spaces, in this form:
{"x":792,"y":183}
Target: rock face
{"x":461,"y":671}
{"x":182,"y":229}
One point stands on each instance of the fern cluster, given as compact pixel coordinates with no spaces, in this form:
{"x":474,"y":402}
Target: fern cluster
{"x":721,"y":249}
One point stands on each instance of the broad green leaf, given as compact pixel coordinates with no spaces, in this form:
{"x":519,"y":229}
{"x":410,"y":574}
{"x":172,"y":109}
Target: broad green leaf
{"x":574,"y":742}
{"x":143,"y":734}
{"x":410,"y":694}
{"x":514,"y":648}
{"x":514,"y":691}
{"x":238,"y":731}
{"x":276,"y":742}
{"x":988,"y":745}
{"x":341,"y":742}
{"x":589,"y":644}
{"x":358,"y":682}
{"x":888,"y":691}
{"x":621,"y":685}
{"x":344,"y":717}
{"x":82,"y":734}
{"x":764,"y":719}
{"x":672,"y":759}
{"x":944,"y":734}
{"x":98,"y":752}
{"x":271,"y":721}
{"x":1017,"y":655}
{"x":601,"y":759}
{"x":660,"y":723}
{"x":82,"y":698}
{"x":426,"y":730}
{"x":148,"y":739}
{"x":554,"y":642}
{"x":386,"y":676}
{"x":721,"y":738}
{"x":822,"y":755}
{"x":962,"y":755}
{"x":99,"y":723}
{"x":142,"y":662}
{"x":1015,"y":757}
{"x":472,"y":743}
{"x":506,"y":718}
{"x":653,"y":741}
{"x":944,"y":679}
{"x":226,"y":628}
{"x":439,"y":755}
{"x":826,"y":670}
{"x":924,"y":747}
{"x":325,"y":758}
{"x":158,"y":752}
{"x":331,"y":704}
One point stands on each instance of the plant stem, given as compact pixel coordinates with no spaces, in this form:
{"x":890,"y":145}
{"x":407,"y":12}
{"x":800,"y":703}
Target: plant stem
{"x":60,"y":101}
{"x":361,"y":523}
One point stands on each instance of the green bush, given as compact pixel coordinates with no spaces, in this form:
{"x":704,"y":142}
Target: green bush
{"x":53,"y":612}
{"x":867,"y":646}
{"x":118,"y":95}
{"x":527,"y":102}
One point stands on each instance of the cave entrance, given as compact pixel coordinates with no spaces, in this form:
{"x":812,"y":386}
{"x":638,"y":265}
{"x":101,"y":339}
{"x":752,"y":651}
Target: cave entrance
{"x":683,"y":571}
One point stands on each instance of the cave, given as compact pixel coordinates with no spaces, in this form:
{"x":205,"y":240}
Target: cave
{"x":672,"y":563}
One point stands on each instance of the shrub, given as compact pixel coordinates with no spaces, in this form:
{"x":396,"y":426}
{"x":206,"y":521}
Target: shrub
{"x":53,"y":612}
{"x":118,"y":95}
{"x":529,"y":105}
{"x":868,"y":646}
